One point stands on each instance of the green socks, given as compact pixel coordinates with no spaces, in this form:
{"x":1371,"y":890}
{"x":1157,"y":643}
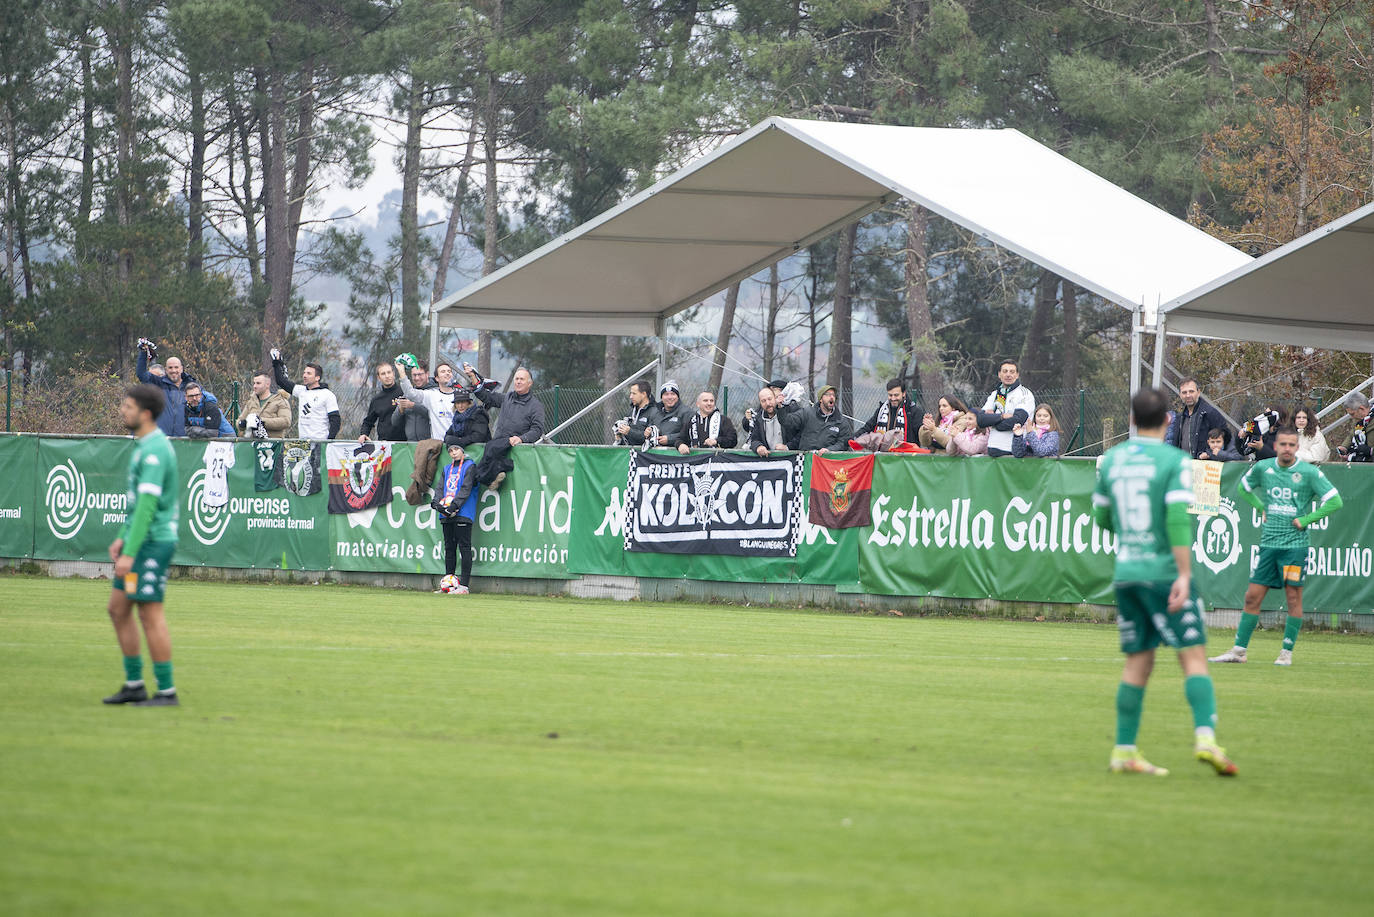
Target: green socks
{"x":133,"y":669}
{"x":1246,"y":630}
{"x":1203,"y":699}
{"x":163,"y":671}
{"x":1290,"y":631}
{"x":1130,"y":699}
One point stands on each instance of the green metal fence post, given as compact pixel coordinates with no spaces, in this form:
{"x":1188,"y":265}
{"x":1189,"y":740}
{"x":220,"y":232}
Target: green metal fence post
{"x":555,"y":407}
{"x":1078,"y":428}
{"x":725,"y":399}
{"x":234,"y":404}
{"x":9,"y":396}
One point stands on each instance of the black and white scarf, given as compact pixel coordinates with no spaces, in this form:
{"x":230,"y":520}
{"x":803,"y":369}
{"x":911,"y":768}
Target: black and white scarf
{"x":888,"y":419}
{"x":700,"y":429}
{"x":999,"y":404}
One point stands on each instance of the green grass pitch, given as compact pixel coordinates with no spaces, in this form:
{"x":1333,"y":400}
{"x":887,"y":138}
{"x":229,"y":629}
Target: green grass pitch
{"x":359,"y":751}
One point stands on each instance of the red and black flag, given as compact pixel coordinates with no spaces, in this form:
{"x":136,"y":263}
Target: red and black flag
{"x":359,"y":476}
{"x":840,"y":492}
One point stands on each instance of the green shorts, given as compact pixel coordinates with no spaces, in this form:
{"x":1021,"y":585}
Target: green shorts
{"x":1144,"y":621}
{"x":147,"y":582}
{"x":1280,"y":567}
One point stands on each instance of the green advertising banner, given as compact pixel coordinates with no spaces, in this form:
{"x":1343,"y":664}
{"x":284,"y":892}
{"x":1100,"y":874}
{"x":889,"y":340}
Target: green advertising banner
{"x":522,"y":529}
{"x":1023,"y":531}
{"x":1014,"y":530}
{"x":1339,"y":562}
{"x":978,"y":528}
{"x":823,"y":555}
{"x":18,"y":511}
{"x":273,"y":528}
{"x":82,"y":497}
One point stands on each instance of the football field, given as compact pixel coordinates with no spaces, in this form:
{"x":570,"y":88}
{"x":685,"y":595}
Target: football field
{"x":363,"y":751}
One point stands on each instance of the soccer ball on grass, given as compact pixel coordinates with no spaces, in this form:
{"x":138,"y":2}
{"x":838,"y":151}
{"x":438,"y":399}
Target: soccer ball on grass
{"x":449,"y":584}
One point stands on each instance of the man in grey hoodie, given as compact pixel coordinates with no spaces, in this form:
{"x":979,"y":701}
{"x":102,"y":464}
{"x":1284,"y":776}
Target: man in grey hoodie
{"x":520,"y":421}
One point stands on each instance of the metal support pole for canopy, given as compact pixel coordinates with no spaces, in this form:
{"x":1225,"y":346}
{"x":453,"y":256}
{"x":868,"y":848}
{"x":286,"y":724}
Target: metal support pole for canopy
{"x":661,"y":328}
{"x":1159,"y":350}
{"x":548,"y":437}
{"x":1135,"y":350}
{"x":433,"y":340}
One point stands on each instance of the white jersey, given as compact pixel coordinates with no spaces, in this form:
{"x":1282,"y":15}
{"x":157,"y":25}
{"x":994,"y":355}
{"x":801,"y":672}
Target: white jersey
{"x":316,"y":404}
{"x":438,"y":403}
{"x":1018,"y":399}
{"x":219,"y":458}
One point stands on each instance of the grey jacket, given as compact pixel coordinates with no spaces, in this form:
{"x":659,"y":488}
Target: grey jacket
{"x":521,"y":415}
{"x":821,"y":431}
{"x":415,"y":422}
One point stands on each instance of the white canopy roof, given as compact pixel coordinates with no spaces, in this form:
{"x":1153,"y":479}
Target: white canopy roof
{"x":785,"y":184}
{"x":1316,"y":291}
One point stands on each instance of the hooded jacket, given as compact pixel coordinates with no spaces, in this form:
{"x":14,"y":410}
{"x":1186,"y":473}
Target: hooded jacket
{"x":274,"y":411}
{"x":819,"y":430}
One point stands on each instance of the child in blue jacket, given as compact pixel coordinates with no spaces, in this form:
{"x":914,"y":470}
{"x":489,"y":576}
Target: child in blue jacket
{"x":456,"y":503}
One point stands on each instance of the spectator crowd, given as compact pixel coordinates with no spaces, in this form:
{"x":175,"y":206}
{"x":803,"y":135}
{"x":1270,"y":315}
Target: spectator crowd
{"x":453,"y":409}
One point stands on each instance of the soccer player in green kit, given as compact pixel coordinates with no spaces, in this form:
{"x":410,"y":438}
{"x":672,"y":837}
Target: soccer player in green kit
{"x":143,"y":551}
{"x":1283,"y":489}
{"x":1142,"y":494}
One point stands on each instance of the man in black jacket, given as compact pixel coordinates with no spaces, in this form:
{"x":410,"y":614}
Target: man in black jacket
{"x":521,"y":420}
{"x":708,"y":428}
{"x":772,"y":428}
{"x":823,"y":428}
{"x":644,"y":413}
{"x":894,"y":421}
{"x":1190,"y":428}
{"x":672,"y":414}
{"x":381,"y":410}
{"x":470,"y":421}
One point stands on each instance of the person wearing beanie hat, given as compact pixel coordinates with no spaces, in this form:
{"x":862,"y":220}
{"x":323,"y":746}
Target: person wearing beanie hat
{"x":673,"y":414}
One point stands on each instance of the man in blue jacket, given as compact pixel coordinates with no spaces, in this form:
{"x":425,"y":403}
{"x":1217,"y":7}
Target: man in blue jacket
{"x":172,"y":420}
{"x":1191,"y":426}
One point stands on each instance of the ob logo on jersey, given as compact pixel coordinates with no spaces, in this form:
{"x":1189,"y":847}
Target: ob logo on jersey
{"x":66,"y":500}
{"x":208,"y":523}
{"x":1217,"y":545}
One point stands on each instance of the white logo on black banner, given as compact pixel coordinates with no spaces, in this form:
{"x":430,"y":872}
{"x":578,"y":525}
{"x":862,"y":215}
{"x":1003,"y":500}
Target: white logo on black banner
{"x":714,"y":504}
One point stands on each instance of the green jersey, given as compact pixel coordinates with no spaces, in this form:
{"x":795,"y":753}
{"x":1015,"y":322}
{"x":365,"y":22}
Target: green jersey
{"x":153,"y":471}
{"x":1287,"y":493}
{"x":1137,"y":482}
